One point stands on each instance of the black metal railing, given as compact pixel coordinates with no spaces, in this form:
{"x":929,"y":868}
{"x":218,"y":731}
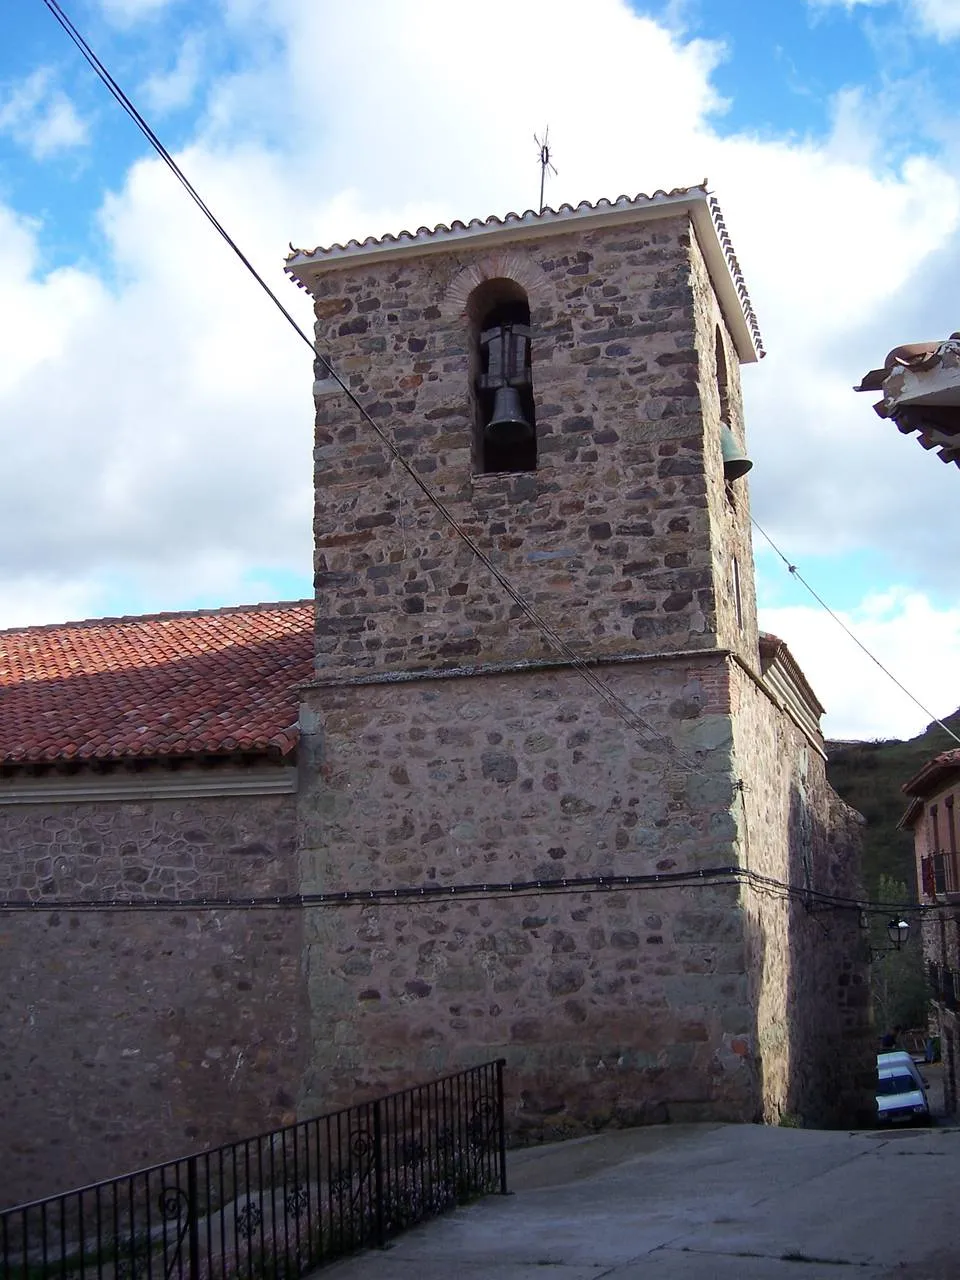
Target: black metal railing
{"x":949,"y":988}
{"x":944,"y":984}
{"x":939,"y":873}
{"x":278,"y":1205}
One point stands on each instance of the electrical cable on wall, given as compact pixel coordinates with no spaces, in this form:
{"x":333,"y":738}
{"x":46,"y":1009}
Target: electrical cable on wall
{"x":707,"y":877}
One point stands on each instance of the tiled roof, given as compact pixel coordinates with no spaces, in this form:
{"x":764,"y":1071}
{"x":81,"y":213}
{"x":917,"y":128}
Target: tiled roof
{"x":301,"y":258}
{"x":773,"y":648}
{"x":214,"y":682}
{"x":933,"y":773}
{"x":910,"y":355}
{"x":920,"y":382}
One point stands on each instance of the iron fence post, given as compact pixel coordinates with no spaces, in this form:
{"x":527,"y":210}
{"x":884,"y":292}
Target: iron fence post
{"x":378,"y":1171}
{"x":193,"y":1219}
{"x":502,"y":1126}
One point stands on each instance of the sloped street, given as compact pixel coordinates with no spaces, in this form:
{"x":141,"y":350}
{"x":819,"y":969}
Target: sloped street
{"x":702,"y":1202}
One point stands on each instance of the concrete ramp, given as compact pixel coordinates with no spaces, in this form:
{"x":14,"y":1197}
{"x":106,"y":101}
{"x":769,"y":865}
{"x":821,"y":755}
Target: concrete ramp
{"x":702,"y":1202}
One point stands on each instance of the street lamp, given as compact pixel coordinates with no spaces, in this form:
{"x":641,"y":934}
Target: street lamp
{"x":897,"y":932}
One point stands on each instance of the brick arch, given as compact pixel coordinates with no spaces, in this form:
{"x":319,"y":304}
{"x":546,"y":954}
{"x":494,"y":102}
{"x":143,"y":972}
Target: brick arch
{"x":503,"y":265}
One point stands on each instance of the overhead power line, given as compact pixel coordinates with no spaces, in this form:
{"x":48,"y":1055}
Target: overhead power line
{"x":630,"y":717}
{"x":627,"y":714}
{"x":856,"y":640}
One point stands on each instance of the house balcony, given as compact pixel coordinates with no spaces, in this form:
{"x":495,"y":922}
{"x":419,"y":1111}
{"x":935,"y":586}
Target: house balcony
{"x":940,"y":875}
{"x":944,"y":985}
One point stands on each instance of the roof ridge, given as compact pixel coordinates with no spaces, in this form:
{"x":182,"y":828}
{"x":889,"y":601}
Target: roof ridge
{"x":299,"y":261}
{"x":162,"y":616}
{"x":496,"y":220}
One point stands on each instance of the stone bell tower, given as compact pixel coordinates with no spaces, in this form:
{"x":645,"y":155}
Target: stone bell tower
{"x":567,"y":386}
{"x":613,"y":334}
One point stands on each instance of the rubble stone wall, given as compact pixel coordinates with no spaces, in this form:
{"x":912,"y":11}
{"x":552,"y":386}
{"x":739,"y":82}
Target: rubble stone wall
{"x":728,"y":504}
{"x":609,"y":1007}
{"x":940,"y":929}
{"x":609,"y":538}
{"x":131,"y":1037}
{"x":809,"y":962}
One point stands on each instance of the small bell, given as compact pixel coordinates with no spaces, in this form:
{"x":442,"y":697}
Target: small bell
{"x":507,"y":424}
{"x":735,"y":461}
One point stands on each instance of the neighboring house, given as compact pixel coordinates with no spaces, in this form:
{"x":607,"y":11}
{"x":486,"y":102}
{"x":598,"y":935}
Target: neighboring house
{"x":920,"y":382}
{"x":932,"y":817}
{"x":585,"y":826}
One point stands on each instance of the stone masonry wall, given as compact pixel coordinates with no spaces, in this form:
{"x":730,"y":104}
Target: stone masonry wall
{"x":940,"y":929}
{"x":728,"y":504}
{"x":132,"y":1037}
{"x":609,"y":1007}
{"x":609,"y":538}
{"x":808,"y":962}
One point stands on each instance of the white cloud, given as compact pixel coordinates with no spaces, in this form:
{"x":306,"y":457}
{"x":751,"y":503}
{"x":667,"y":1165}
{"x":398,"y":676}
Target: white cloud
{"x":34,"y":600}
{"x":916,"y":641}
{"x":157,"y":417}
{"x":125,"y":13}
{"x":938,"y":18}
{"x":40,"y":117}
{"x":171,"y":90}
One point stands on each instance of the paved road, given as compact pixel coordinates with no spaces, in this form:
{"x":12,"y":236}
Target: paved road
{"x":702,"y":1202}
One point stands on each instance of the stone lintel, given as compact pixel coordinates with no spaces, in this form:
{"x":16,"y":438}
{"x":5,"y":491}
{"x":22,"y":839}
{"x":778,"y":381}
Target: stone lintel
{"x":512,"y":668}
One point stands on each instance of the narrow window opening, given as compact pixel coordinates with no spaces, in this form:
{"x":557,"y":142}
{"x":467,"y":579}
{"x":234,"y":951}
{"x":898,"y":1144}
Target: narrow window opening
{"x":723,"y":382}
{"x":505,"y":432}
{"x":737,"y":598}
{"x":735,"y":462}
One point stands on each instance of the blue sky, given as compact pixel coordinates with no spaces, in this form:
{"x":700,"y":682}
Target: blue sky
{"x":156,"y":415}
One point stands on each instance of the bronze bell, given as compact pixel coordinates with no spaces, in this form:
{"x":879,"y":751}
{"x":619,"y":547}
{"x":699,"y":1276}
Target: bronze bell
{"x":735,"y":461}
{"x":507,"y":424}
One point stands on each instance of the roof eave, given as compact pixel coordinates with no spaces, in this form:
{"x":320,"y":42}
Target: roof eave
{"x":281,"y":749}
{"x":909,"y":819}
{"x":701,"y":207}
{"x":931,"y":778}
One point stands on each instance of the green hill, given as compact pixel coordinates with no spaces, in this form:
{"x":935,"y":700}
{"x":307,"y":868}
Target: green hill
{"x":869,"y":775}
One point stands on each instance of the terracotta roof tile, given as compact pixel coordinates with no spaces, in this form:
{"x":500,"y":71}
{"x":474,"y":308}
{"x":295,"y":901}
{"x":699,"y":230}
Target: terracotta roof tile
{"x":771,"y":648}
{"x":162,"y":685}
{"x":920,"y":382}
{"x":933,"y":774}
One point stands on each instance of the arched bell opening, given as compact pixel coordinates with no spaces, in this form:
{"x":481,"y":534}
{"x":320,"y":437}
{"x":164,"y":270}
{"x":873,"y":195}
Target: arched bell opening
{"x":723,"y":381}
{"x":505,"y":432}
{"x":736,"y":464}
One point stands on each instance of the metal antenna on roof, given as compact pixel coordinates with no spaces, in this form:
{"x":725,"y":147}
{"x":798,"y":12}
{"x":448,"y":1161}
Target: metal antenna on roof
{"x":545,"y":161}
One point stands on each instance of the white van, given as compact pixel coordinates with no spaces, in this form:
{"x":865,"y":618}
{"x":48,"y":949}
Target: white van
{"x":900,"y":1098}
{"x":898,"y":1058}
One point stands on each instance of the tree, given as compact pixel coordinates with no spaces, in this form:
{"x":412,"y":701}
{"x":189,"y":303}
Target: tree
{"x":898,"y":985}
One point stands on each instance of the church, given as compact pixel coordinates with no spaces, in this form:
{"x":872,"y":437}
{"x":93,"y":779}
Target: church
{"x":522,"y":780}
